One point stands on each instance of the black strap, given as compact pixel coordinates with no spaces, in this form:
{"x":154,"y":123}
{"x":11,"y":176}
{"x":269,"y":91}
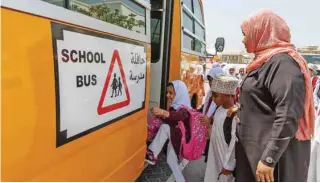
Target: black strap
{"x":206,"y":151}
{"x":214,"y":113}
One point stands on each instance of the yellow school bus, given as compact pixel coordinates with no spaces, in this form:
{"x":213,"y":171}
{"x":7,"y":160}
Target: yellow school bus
{"x":78,"y":78}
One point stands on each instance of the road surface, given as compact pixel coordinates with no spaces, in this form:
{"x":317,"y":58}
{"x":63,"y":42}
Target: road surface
{"x":193,"y":171}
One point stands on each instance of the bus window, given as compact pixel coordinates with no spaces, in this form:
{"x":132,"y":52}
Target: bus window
{"x":124,"y":13}
{"x":156,"y":24}
{"x":188,"y":42}
{"x":188,"y":22}
{"x":199,"y":46}
{"x":57,"y":2}
{"x":188,"y":3}
{"x":193,"y":37}
{"x":197,"y":10}
{"x":199,"y":31}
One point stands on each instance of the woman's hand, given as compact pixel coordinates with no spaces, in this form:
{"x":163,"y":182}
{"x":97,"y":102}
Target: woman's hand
{"x":205,"y":119}
{"x":264,"y":173}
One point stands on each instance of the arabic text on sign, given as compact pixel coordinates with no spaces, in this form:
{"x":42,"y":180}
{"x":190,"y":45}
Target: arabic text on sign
{"x":137,"y":59}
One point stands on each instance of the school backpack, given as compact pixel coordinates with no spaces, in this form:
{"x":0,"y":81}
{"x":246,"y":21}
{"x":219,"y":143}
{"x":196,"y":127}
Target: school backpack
{"x":153,"y":127}
{"x":193,"y":149}
{"x":314,"y":81}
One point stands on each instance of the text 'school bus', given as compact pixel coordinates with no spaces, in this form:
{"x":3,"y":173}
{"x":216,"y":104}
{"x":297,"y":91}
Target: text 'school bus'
{"x":78,"y":78}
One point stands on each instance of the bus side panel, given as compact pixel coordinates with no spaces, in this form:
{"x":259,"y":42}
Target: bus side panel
{"x":178,"y":58}
{"x":175,"y":57}
{"x":192,"y":79}
{"x":28,"y":148}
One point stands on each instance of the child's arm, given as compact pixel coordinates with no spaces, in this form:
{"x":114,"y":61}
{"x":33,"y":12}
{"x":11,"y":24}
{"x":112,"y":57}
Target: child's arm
{"x":173,"y":117}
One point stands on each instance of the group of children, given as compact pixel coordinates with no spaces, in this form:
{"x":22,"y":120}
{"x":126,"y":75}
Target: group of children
{"x":218,"y":112}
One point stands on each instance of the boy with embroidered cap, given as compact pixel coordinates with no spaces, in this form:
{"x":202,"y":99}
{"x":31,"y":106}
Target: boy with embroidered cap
{"x":221,"y":158}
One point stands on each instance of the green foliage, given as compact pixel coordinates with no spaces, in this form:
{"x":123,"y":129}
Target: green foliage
{"x":104,"y":13}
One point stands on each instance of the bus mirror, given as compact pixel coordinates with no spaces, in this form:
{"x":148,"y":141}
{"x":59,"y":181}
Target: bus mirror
{"x":219,"y":44}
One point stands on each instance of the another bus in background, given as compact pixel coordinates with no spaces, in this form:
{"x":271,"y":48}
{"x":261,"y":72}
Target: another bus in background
{"x":178,"y":44}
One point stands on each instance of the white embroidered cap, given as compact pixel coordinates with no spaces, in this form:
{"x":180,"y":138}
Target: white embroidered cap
{"x":225,"y":84}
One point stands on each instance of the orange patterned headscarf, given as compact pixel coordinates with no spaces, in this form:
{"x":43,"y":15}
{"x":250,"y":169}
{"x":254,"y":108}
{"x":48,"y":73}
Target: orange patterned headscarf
{"x":267,"y":34}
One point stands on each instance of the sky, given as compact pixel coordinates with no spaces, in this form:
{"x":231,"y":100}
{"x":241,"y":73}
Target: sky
{"x":224,"y":17}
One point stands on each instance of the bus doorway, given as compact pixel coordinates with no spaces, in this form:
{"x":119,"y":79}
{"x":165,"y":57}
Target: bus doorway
{"x":160,"y":36}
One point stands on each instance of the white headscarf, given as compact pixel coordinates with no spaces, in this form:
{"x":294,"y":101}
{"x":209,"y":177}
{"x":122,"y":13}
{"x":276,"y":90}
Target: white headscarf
{"x":241,"y":77}
{"x":231,"y":67}
{"x":225,"y":68}
{"x":215,"y":64}
{"x":313,"y":68}
{"x":224,"y":64}
{"x":182,"y":96}
{"x":214,"y":71}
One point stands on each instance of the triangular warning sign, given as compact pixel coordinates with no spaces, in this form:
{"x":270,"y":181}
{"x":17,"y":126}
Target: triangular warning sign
{"x":105,"y":109}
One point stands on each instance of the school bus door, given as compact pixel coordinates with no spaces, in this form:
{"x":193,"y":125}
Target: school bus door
{"x":161,"y":26}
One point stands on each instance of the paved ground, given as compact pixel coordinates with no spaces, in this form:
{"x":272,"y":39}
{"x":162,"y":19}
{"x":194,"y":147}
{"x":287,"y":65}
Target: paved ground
{"x":194,"y":171}
{"x":157,"y":173}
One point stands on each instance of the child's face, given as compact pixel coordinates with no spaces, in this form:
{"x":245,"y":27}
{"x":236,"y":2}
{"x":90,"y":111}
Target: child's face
{"x":226,"y":101}
{"x":170,"y":94}
{"x":241,"y":72}
{"x":231,"y":71}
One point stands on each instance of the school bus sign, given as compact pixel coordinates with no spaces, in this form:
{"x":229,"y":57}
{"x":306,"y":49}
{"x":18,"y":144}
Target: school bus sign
{"x":116,"y":84}
{"x":99,"y":80}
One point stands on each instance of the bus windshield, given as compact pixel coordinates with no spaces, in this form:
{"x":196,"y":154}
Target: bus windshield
{"x":314,"y":58}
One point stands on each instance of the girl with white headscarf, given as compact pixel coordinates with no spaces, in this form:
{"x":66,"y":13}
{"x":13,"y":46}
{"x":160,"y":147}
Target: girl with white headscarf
{"x":224,"y":67}
{"x":209,"y":106}
{"x":232,"y":70}
{"x":177,"y":95}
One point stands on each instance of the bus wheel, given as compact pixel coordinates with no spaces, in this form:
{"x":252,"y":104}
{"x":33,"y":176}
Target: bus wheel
{"x":194,"y":102}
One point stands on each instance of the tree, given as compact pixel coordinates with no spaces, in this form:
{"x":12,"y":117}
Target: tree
{"x":104,"y":13}
{"x":99,"y":11}
{"x":131,"y":21}
{"x":80,"y":10}
{"x":122,"y":20}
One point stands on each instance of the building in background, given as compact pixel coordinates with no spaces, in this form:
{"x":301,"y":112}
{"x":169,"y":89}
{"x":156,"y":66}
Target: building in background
{"x":232,"y":57}
{"x":309,"y":49}
{"x":236,"y":57}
